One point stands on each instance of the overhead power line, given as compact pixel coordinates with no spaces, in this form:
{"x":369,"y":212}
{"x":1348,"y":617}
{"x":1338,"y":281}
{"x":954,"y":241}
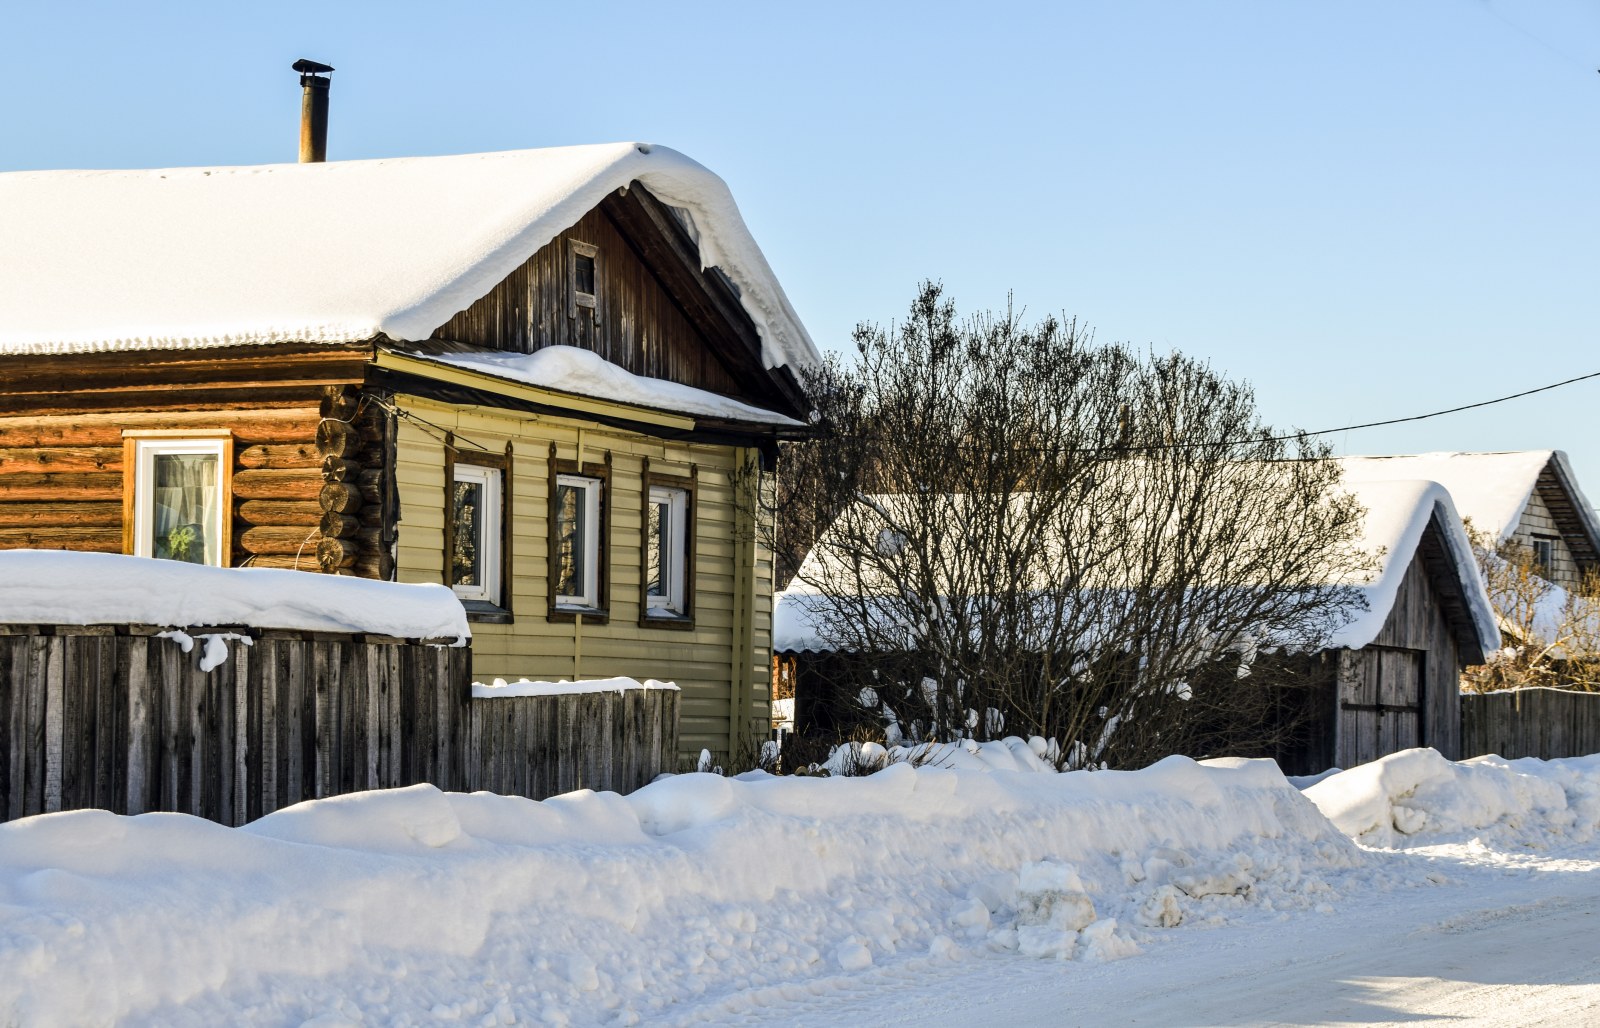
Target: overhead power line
{"x":1452,"y":410}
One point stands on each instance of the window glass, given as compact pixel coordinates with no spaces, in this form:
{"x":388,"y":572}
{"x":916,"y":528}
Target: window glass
{"x":476,"y":532}
{"x":666,"y":553}
{"x":658,"y":515}
{"x":466,"y":564}
{"x":185,"y":521}
{"x":584,"y":272}
{"x":577,"y":541}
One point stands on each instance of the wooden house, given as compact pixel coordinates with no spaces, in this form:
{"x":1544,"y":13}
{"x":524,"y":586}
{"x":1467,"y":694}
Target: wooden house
{"x":1528,"y":497}
{"x":551,"y":379}
{"x":1387,"y":680}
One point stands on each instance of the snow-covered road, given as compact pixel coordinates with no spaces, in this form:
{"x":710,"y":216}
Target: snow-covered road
{"x":1497,"y":944}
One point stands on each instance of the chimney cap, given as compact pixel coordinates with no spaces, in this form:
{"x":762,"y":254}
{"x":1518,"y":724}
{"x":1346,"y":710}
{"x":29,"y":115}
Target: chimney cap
{"x":306,"y":67}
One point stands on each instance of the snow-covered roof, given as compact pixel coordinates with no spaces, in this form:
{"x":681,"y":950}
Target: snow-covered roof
{"x":1490,"y":489}
{"x":569,"y":369}
{"x":339,"y":252}
{"x":59,"y":587}
{"x":1398,"y":515}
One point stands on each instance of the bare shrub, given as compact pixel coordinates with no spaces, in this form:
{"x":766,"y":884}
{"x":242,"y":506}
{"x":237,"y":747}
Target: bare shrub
{"x":1028,"y":533}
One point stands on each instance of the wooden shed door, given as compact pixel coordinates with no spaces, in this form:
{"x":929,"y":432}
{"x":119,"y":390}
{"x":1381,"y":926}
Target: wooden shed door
{"x":1382,"y":712}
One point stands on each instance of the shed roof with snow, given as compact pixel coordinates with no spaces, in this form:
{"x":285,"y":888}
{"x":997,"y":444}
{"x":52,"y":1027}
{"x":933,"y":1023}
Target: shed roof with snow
{"x":1406,"y":522}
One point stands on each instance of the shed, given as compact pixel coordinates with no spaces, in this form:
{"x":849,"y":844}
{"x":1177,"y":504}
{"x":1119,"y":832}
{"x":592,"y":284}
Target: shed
{"x":1388,"y":679}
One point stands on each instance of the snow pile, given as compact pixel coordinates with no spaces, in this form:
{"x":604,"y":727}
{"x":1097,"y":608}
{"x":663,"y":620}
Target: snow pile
{"x":569,"y":369}
{"x":339,"y":252}
{"x":696,"y":897}
{"x":58,"y":587}
{"x":500,"y":688}
{"x":1418,"y":796}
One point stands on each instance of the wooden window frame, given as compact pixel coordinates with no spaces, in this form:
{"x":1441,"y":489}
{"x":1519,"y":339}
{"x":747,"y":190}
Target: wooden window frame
{"x":133,"y":442}
{"x":577,"y":300}
{"x":1547,"y":568}
{"x":565,"y":612}
{"x":689,"y":486}
{"x":493,"y":611}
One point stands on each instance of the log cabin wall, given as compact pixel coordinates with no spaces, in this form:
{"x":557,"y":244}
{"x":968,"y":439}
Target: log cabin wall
{"x":639,"y":322}
{"x":62,"y":463}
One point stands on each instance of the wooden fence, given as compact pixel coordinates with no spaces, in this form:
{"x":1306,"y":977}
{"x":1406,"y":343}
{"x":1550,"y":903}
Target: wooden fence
{"x":121,"y":719}
{"x":1545,"y":723}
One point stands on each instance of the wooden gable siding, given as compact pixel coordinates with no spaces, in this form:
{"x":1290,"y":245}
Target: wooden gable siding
{"x":62,"y":420}
{"x":637,"y":323}
{"x":1420,"y":637}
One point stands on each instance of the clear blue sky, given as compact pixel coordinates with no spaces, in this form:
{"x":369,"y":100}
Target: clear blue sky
{"x":1367,"y":209}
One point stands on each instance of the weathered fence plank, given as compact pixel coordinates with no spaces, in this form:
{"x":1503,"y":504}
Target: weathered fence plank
{"x":1544,"y":723}
{"x":126,"y":721}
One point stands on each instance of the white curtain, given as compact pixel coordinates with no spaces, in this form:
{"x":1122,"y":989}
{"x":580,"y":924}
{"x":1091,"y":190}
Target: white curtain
{"x":185,"y":520}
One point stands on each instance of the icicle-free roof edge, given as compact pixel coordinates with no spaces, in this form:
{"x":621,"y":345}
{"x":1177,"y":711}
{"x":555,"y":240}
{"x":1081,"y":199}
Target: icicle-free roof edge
{"x":343,"y":252}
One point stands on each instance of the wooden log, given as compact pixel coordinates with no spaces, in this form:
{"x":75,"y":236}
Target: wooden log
{"x":283,"y":455}
{"x":277,"y":540}
{"x":250,"y":427}
{"x":94,"y":540}
{"x":339,"y":497}
{"x":307,"y":561}
{"x":266,"y":484}
{"x":340,"y":402}
{"x":338,"y":469}
{"x":273,"y":512}
{"x":98,"y":514}
{"x":339,"y":526}
{"x":47,"y":459}
{"x":32,"y":487}
{"x":370,"y":482}
{"x":337,"y":439}
{"x":333,"y":554}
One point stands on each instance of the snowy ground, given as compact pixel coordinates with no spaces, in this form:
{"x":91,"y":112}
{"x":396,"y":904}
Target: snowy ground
{"x":1182,"y":894}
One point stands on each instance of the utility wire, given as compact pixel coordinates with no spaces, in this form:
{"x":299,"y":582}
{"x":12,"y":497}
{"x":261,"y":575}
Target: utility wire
{"x":1183,"y":444}
{"x":1441,"y":413}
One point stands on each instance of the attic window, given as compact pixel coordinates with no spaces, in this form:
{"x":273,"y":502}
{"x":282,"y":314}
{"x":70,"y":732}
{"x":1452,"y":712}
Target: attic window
{"x":584,"y":261}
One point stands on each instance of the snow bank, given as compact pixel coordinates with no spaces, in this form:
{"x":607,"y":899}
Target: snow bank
{"x":698,"y":893}
{"x":569,"y":369}
{"x":338,"y":252}
{"x":58,"y":587}
{"x":1417,"y":796}
{"x":500,"y":688}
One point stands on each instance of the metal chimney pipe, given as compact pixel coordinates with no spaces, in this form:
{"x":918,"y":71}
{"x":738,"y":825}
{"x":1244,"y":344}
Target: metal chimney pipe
{"x":313,"y":110}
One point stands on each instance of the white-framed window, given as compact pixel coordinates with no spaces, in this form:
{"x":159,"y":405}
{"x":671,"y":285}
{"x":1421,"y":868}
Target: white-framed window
{"x":476,"y":506}
{"x":666,"y":552}
{"x":177,"y":494}
{"x":576,"y":569}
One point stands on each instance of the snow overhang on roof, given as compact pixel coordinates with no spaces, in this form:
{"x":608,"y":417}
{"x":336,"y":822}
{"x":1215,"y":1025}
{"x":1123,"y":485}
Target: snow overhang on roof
{"x":1398,"y":516}
{"x":584,"y":382}
{"x":341,"y":252}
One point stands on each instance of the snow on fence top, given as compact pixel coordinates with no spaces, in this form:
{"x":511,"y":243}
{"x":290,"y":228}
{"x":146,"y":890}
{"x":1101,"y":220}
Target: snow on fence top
{"x":55,"y":587}
{"x":339,"y":252}
{"x":569,"y":369}
{"x":1491,"y":489}
{"x":502,"y":689}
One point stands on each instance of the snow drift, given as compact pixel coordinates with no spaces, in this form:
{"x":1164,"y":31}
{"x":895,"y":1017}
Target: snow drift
{"x":701,"y":897}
